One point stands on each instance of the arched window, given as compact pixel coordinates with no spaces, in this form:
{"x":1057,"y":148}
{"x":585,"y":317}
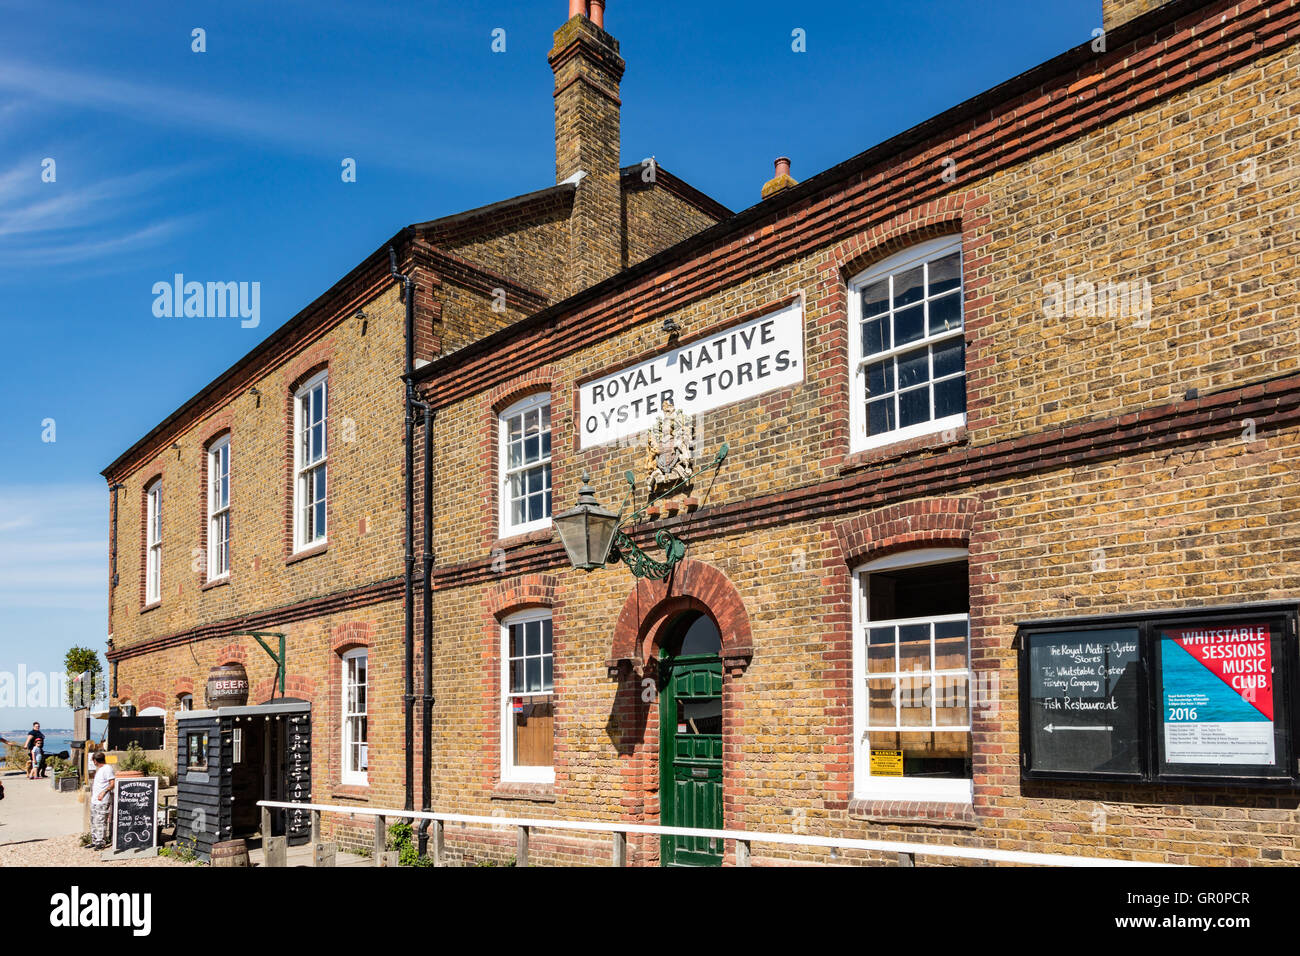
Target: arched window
{"x":694,"y":635}
{"x":524,"y":430}
{"x":184,"y":702}
{"x":908,"y":345}
{"x":527,"y":697}
{"x":911,"y":666}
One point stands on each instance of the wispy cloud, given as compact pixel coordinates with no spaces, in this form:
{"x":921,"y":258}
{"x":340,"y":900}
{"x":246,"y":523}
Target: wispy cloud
{"x":150,"y":103}
{"x":53,"y":547}
{"x":59,"y":223}
{"x":294,"y":127}
{"x":82,"y":250}
{"x":65,"y":206}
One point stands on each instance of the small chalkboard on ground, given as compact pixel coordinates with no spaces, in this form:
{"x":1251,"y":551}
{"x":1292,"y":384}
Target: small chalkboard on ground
{"x":135,"y":818}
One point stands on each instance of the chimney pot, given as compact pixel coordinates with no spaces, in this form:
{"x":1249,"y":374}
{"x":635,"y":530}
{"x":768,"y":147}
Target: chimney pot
{"x":597,"y":13}
{"x":781,"y":180}
{"x":577,"y":8}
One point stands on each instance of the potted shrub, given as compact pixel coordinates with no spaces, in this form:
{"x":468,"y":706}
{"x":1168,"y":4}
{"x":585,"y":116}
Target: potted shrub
{"x":133,"y":763}
{"x":165,"y":773}
{"x":64,"y":778}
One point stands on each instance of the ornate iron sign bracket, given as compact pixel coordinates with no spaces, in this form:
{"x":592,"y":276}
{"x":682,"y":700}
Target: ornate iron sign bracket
{"x":626,"y":550}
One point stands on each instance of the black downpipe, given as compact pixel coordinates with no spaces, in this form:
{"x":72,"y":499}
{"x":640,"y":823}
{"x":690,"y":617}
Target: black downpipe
{"x":426,"y":728}
{"x":114,"y":488}
{"x":408,"y":697}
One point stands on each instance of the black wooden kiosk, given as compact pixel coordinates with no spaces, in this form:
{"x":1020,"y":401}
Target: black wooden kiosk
{"x":229,"y":758}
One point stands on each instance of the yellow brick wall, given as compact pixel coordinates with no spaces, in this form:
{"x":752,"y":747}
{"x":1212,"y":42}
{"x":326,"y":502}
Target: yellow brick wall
{"x":365,"y":488}
{"x":1191,"y":196}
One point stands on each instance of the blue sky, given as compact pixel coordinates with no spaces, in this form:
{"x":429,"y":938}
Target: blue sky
{"x":225,"y":165}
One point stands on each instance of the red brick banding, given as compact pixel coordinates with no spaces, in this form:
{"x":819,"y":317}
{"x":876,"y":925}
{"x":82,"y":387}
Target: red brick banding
{"x":1270,"y":405}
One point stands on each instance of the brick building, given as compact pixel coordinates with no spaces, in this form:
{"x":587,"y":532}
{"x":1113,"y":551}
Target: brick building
{"x":273,"y":500}
{"x":949,"y":440}
{"x":1019,"y":382}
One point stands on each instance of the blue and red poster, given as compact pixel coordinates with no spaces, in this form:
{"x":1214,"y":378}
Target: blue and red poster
{"x":1218,"y":695}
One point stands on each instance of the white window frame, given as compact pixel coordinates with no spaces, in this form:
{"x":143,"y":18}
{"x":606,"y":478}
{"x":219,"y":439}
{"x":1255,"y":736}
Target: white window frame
{"x":509,"y":772}
{"x":534,"y":401}
{"x":218,"y":511}
{"x":302,"y":469}
{"x":908,"y":258}
{"x":350,"y":774}
{"x":153,"y":543}
{"x":865,"y":786}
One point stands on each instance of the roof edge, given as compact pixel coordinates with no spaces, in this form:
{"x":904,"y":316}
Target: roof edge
{"x":681,"y":189}
{"x":321,"y":303}
{"x":1017,"y":86}
{"x":467,"y":215}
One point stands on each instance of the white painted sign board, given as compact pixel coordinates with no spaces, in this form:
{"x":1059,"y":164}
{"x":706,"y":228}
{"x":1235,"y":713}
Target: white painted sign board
{"x":730,"y":366}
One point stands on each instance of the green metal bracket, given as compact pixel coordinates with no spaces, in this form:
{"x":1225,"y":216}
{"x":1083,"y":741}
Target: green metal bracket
{"x":625,"y":549}
{"x":281,"y":663}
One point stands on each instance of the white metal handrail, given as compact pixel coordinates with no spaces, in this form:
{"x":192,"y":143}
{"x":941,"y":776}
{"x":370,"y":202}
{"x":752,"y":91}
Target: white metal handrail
{"x":743,"y":838}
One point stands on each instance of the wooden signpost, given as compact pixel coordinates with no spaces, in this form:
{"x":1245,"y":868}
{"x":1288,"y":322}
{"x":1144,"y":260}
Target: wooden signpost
{"x":135,"y":818}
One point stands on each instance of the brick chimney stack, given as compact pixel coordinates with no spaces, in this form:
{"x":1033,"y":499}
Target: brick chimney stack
{"x":588,"y":71}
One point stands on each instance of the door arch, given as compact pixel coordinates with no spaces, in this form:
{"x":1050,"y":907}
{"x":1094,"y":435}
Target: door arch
{"x":690,"y":738}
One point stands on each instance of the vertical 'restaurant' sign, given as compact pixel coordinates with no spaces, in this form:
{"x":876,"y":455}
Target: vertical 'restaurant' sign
{"x":1217,"y":690}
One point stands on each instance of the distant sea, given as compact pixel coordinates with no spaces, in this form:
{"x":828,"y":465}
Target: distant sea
{"x":53,"y":744}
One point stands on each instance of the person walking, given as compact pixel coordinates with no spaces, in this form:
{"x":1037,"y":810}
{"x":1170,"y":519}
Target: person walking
{"x":35,"y":765}
{"x":35,"y":737}
{"x":101,"y":802}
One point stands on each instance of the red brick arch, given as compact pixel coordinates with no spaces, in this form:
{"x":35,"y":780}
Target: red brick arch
{"x":151,"y":698}
{"x":232,"y":654}
{"x":350,"y":635}
{"x":507,"y":393}
{"x":184,"y":685}
{"x":527,"y":590}
{"x":935,"y":523}
{"x":125,"y":692}
{"x":693,"y":585}
{"x":939,"y":217}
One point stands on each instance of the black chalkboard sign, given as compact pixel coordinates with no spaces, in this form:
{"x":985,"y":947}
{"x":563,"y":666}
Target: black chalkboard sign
{"x":135,"y":814}
{"x":1083,"y":703}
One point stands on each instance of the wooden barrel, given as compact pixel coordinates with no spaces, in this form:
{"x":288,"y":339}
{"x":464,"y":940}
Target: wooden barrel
{"x":227,"y":686}
{"x":230,"y":853}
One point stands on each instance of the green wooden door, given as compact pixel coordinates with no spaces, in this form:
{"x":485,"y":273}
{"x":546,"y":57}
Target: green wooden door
{"x":690,"y":758}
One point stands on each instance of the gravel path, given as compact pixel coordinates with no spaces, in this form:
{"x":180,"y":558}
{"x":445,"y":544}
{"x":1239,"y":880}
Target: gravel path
{"x":68,"y":851}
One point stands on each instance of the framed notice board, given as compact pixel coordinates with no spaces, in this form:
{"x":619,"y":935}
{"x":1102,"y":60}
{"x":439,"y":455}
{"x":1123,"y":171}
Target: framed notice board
{"x":1204,"y":696}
